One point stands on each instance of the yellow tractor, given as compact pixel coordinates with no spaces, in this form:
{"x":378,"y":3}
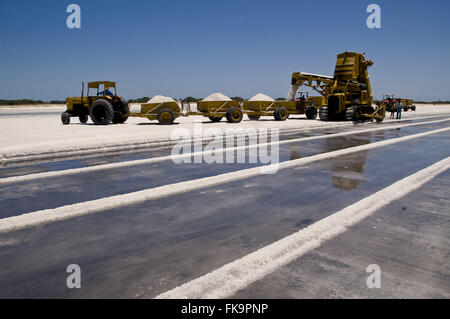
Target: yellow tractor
{"x":347,"y":95}
{"x":100,"y":103}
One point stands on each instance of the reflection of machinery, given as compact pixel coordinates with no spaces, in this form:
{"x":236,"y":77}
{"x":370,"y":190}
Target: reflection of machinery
{"x":348,"y":170}
{"x":347,"y":95}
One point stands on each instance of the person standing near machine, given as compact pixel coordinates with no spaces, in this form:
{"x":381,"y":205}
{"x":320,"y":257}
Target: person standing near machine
{"x":399,"y":110}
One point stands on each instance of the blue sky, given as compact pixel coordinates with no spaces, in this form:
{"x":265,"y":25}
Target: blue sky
{"x":240,"y":48}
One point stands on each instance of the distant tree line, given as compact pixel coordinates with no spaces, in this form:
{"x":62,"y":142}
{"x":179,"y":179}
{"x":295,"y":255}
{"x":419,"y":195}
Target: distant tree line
{"x":28,"y":102}
{"x":433,"y":102}
{"x":146,"y":98}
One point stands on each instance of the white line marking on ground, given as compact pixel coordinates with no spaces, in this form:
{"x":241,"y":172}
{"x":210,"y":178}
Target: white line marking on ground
{"x":239,"y":274}
{"x":67,"y":172}
{"x":113,"y":202}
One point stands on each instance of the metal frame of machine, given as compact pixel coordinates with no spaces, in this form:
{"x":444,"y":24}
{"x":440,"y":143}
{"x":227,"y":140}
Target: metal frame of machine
{"x":348,"y":94}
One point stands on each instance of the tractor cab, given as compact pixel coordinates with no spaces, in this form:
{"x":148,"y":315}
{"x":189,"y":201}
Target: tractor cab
{"x":102,"y":88}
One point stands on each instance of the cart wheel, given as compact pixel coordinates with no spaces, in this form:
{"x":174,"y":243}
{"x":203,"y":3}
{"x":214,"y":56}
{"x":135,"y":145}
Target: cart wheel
{"x":65,"y":118}
{"x":83,"y":118}
{"x":215,"y":119}
{"x":254,"y":117}
{"x":281,"y":113}
{"x":234,"y":115}
{"x":166,"y":117}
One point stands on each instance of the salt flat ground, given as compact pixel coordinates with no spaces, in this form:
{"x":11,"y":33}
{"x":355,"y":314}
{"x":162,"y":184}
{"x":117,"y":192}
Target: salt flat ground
{"x":28,"y":130}
{"x":139,"y":225}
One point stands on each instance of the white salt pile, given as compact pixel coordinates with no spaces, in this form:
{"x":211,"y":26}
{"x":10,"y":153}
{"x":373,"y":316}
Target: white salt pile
{"x":261,"y":98}
{"x":160,"y":99}
{"x":216,"y":97}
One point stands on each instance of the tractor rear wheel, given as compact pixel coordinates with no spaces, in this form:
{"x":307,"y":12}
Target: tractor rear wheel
{"x":83,"y":118}
{"x":311,"y":113}
{"x":323,"y":113}
{"x":215,"y":118}
{"x":65,"y":118}
{"x":121,"y":114}
{"x":102,"y":112}
{"x":234,"y":115}
{"x":281,"y":114}
{"x":166,"y":117}
{"x":254,"y":117}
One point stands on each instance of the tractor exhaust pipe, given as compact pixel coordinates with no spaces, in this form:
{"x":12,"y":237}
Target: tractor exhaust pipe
{"x":82,"y":93}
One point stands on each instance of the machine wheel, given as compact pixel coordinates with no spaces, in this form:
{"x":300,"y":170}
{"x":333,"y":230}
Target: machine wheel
{"x":350,"y":113}
{"x":413,"y":108}
{"x":166,"y":117}
{"x":234,"y":115}
{"x":102,"y":112}
{"x":65,"y":118}
{"x":311,"y":113}
{"x":83,"y":118}
{"x":323,"y":113}
{"x":253,"y":117}
{"x":215,"y":119}
{"x":380,"y":120}
{"x":405,"y":109}
{"x":281,"y":114}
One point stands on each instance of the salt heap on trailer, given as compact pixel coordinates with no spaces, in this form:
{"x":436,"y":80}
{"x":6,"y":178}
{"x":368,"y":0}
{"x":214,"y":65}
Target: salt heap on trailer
{"x":160,"y":99}
{"x":260,"y":97}
{"x":216,"y":97}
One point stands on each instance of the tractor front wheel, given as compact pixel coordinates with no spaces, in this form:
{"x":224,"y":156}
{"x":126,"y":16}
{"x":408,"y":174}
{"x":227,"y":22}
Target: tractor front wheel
{"x":166,"y":117}
{"x":102,"y":112}
{"x":65,"y":118}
